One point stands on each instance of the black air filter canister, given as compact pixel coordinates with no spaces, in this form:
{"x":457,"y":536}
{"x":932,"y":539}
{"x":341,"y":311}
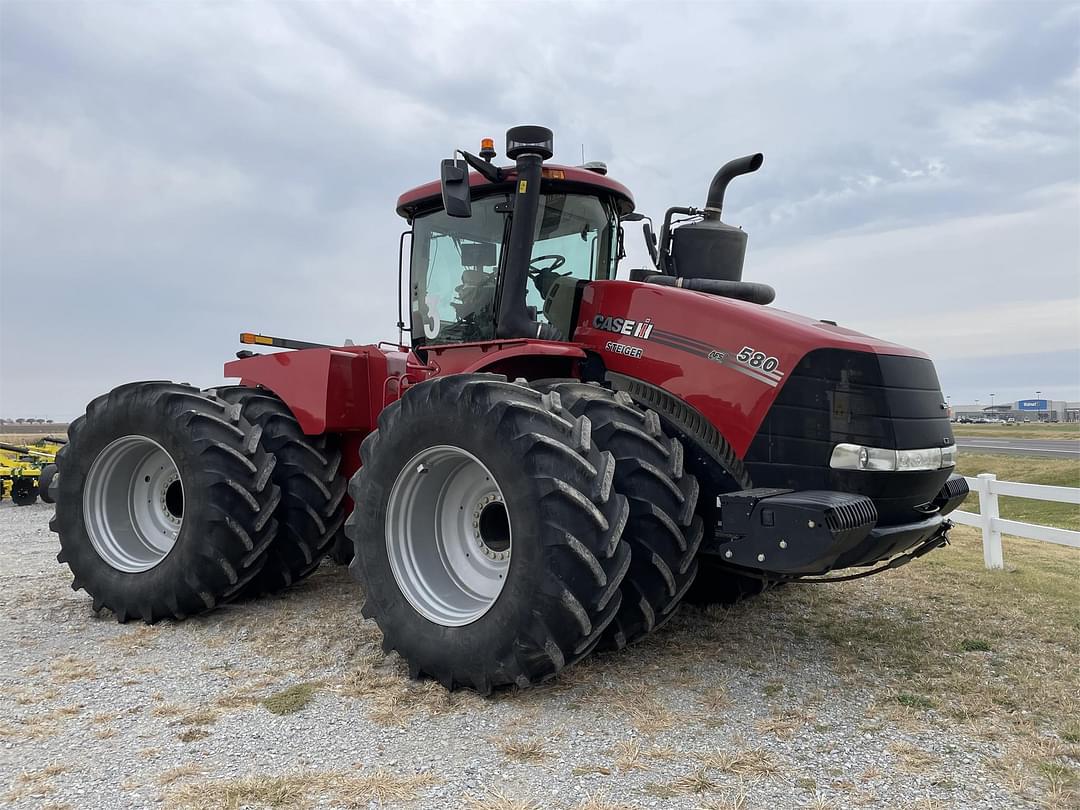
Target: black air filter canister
{"x":708,"y":249}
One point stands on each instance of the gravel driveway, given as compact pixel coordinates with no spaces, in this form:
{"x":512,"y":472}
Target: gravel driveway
{"x":290,"y":701}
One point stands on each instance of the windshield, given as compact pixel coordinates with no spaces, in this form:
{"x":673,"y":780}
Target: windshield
{"x":456,"y":261}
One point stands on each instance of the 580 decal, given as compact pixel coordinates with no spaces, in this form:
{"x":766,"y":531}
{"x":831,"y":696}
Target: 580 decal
{"x":749,"y":356}
{"x":759,"y":365}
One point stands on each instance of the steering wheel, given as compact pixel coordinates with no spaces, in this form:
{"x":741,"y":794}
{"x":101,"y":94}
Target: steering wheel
{"x":557,"y":261}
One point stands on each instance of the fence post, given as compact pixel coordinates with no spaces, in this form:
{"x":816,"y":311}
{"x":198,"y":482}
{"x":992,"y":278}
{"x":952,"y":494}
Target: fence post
{"x":988,"y":512}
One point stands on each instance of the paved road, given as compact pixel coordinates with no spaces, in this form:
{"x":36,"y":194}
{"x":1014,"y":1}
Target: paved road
{"x":1045,"y":448}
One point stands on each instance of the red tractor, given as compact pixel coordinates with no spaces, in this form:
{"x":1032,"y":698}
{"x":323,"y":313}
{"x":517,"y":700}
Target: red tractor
{"x":551,"y":465}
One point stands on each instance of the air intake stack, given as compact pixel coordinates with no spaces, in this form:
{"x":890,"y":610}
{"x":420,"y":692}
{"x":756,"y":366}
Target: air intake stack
{"x":711,"y":249}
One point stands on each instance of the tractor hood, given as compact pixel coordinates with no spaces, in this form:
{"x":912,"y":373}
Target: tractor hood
{"x":728,"y":359}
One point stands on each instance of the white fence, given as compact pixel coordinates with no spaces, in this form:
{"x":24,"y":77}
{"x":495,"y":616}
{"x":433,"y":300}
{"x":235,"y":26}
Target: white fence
{"x":993,"y":526}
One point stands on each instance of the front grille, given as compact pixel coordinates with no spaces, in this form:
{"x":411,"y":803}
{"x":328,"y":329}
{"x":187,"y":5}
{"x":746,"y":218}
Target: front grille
{"x":836,"y":396}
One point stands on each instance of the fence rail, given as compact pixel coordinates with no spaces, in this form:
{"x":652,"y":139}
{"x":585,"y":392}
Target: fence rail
{"x":993,"y":525}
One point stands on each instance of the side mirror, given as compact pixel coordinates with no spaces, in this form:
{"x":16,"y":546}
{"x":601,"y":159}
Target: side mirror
{"x":456,"y":194}
{"x":650,"y":242}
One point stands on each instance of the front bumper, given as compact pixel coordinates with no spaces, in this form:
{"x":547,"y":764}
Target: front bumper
{"x":792,"y":534}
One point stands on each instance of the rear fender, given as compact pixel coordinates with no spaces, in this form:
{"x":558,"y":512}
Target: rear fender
{"x":328,"y":389}
{"x":532,"y":359}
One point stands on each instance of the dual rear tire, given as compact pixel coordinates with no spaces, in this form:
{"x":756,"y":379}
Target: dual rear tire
{"x":171,"y":501}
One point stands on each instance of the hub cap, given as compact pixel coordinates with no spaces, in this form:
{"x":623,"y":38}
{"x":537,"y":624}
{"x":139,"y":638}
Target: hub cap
{"x":133,"y":504}
{"x":448,"y":536}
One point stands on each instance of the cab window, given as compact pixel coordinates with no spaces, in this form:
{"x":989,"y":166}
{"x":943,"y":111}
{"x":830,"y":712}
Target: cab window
{"x":454,"y":270}
{"x":456,"y":262}
{"x":573,"y":239}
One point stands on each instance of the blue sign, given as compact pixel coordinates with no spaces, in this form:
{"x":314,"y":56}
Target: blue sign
{"x":1033,"y":405}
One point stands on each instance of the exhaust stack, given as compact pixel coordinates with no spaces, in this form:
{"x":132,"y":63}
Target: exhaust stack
{"x":709,"y":249}
{"x":714,"y":203}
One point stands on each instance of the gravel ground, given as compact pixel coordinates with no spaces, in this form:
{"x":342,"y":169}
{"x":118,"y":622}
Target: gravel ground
{"x":723,"y":708}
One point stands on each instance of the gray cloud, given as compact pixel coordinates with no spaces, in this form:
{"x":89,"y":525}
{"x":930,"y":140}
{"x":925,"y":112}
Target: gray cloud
{"x":174,"y":173}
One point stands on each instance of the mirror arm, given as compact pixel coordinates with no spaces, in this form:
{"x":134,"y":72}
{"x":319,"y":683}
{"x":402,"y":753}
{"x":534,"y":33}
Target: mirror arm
{"x":491,"y":172}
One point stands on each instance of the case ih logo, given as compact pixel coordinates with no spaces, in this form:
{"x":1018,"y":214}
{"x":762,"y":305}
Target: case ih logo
{"x":624,"y":326}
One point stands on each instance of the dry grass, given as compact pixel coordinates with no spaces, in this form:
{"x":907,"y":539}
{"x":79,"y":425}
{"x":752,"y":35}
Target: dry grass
{"x":599,"y":802}
{"x":494,"y":799}
{"x":529,"y":750}
{"x":302,"y":790}
{"x":735,"y":802}
{"x":134,"y":639}
{"x":911,"y":759}
{"x":941,"y":646}
{"x":31,"y":434}
{"x":200,"y":717}
{"x":71,"y":668}
{"x":166,"y":778}
{"x":699,"y":781}
{"x":785,"y":723}
{"x":33,"y":784}
{"x":629,"y":756}
{"x":33,"y":695}
{"x":752,"y":762}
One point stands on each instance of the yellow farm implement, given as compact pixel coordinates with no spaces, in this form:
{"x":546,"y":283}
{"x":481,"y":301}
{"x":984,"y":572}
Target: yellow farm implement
{"x":27,"y":469}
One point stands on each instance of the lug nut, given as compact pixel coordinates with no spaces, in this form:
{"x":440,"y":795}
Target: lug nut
{"x":728,"y":554}
{"x":783,"y":544}
{"x":761,"y":558}
{"x":810,"y":524}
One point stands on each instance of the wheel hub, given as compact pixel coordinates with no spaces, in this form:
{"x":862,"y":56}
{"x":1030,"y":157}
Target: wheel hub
{"x":448,"y":535}
{"x":492,"y":527}
{"x":133,"y":504}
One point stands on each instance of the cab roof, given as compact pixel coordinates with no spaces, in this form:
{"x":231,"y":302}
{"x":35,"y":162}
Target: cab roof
{"x":565,"y":179}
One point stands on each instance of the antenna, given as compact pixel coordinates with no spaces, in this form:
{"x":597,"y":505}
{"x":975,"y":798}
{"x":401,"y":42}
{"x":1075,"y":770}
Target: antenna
{"x":583,"y":153}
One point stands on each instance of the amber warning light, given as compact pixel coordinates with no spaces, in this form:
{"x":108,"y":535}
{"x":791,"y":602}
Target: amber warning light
{"x":487,"y":148}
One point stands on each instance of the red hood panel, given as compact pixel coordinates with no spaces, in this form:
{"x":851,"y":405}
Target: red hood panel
{"x":726,"y":358}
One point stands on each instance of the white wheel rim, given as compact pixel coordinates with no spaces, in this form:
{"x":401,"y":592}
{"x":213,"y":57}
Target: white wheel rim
{"x":133,"y":504}
{"x":448,"y":535}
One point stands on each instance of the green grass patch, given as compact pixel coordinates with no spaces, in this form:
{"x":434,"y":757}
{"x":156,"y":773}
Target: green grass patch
{"x":974,"y":645}
{"x":1056,"y":472}
{"x":290,"y":699}
{"x":1024,"y":430}
{"x":913,"y":701}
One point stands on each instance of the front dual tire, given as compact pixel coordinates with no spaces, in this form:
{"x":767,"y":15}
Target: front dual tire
{"x":487,"y":532}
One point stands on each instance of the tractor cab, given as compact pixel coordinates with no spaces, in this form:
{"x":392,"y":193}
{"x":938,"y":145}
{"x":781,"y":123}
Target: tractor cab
{"x":507,"y":252}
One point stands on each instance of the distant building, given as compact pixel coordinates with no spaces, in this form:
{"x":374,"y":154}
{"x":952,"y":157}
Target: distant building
{"x":1024,"y":410}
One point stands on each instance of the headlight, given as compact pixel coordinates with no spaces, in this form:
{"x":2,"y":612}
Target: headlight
{"x":857,"y":457}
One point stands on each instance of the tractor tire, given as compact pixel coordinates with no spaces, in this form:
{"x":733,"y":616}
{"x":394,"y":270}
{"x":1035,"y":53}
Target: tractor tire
{"x":487,"y":533}
{"x":23,"y":492}
{"x":48,"y":472}
{"x":165,"y":501}
{"x":341,"y":552}
{"x":310,"y":512}
{"x":663,"y":531}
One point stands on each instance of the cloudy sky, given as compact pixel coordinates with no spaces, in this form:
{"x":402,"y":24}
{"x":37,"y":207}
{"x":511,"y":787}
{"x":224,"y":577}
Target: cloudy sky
{"x":174,"y":173}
